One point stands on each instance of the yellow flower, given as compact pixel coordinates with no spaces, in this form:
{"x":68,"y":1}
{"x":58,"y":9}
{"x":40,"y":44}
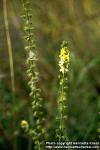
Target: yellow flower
{"x":64,"y":55}
{"x":24,"y":124}
{"x":64,"y":60}
{"x":63,"y":51}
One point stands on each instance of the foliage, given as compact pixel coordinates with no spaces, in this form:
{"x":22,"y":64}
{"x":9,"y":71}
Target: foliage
{"x":76,"y":21}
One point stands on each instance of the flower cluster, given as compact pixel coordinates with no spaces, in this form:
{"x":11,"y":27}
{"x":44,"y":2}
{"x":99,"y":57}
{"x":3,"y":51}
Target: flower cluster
{"x":64,"y":60}
{"x":24,"y":124}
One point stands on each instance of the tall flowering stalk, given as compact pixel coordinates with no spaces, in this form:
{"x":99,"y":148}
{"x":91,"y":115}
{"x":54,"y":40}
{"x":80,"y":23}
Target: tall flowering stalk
{"x":64,"y":59}
{"x":38,"y":130}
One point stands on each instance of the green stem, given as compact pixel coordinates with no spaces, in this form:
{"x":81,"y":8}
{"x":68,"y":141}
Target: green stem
{"x":60,"y":110}
{"x":39,"y":145}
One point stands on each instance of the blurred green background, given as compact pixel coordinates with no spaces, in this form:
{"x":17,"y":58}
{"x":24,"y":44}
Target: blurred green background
{"x":76,"y":21}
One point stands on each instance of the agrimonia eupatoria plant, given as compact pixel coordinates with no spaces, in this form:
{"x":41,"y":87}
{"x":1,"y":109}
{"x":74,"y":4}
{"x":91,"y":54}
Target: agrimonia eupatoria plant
{"x":62,"y":94}
{"x":38,"y":129}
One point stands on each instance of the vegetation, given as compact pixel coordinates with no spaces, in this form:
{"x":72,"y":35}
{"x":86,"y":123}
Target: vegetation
{"x":49,"y":93}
